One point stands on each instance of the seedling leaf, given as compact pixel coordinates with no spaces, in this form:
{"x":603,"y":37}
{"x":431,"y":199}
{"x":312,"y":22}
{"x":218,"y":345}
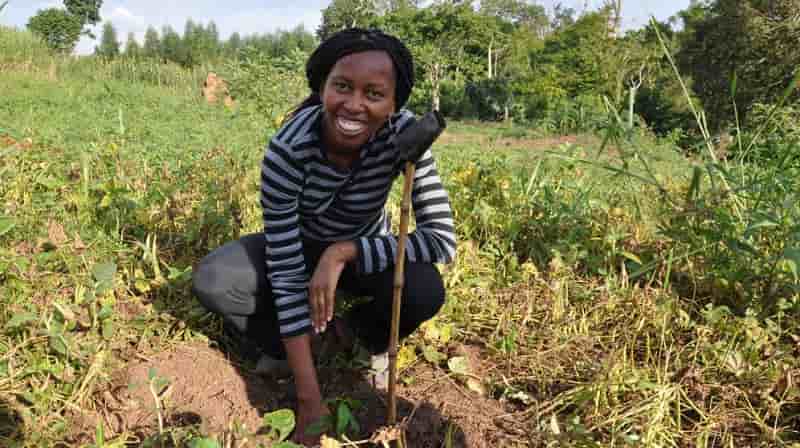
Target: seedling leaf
{"x":58,"y":344}
{"x":281,"y":421}
{"x":6,"y":224}
{"x":104,"y":276}
{"x":459,"y":365}
{"x":20,"y":319}
{"x":432,"y":355}
{"x":343,"y":417}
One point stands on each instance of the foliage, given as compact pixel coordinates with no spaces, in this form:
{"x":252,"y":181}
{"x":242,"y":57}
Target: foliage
{"x":109,"y":43}
{"x":59,"y":29}
{"x":748,"y":44}
{"x":626,"y":294}
{"x":132,"y":48}
{"x":88,"y":11}
{"x":341,"y":14}
{"x":22,"y":48}
{"x":268,"y":84}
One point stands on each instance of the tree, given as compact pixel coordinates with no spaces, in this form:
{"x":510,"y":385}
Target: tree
{"x":448,"y":42}
{"x":581,"y":52}
{"x":233,"y":45}
{"x":341,"y":14}
{"x":109,"y":45}
{"x":152,"y":43}
{"x":170,"y":44}
{"x":752,"y":41}
{"x":86,"y":11}
{"x":59,"y":29}
{"x":132,"y":48}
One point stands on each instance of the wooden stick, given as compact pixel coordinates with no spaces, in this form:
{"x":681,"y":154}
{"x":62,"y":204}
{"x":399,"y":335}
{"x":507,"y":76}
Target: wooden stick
{"x":399,"y":278}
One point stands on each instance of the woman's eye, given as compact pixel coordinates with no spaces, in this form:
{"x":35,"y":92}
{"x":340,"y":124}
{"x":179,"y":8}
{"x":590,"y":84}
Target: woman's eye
{"x":341,"y":86}
{"x":375,"y":95}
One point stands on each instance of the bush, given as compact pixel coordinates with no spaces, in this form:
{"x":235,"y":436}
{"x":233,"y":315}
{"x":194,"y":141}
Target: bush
{"x":272,"y":86}
{"x":777,"y":144}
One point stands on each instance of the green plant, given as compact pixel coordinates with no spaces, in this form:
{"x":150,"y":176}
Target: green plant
{"x":341,"y":420}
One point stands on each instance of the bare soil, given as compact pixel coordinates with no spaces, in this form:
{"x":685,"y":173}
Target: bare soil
{"x":207,"y":389}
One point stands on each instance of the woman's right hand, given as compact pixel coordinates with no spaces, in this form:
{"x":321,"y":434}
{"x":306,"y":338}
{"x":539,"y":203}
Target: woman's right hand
{"x":309,"y":399}
{"x":308,"y":413}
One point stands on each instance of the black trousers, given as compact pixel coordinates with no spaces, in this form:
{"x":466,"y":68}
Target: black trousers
{"x":232,"y":282}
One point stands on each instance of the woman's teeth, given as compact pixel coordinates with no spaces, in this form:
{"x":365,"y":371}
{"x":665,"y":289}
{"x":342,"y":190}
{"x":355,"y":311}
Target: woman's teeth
{"x":350,"y":127}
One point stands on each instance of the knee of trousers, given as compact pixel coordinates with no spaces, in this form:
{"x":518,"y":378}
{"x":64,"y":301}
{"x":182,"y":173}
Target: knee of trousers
{"x":424,"y":294}
{"x":208,"y":287}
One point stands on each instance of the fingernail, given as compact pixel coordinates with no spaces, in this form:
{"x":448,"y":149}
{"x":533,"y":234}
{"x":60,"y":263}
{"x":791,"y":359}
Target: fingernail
{"x":324,"y":327}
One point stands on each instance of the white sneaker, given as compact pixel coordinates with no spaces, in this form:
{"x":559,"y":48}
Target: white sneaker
{"x":378,"y":375}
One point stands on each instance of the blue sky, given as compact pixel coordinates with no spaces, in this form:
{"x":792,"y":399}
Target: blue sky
{"x":252,"y":16}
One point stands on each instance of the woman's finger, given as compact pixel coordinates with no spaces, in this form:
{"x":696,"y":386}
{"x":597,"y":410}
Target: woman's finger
{"x":316,"y":306}
{"x":330,"y":303}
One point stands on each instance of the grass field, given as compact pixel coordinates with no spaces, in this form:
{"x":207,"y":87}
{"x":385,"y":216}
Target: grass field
{"x":583,"y":309}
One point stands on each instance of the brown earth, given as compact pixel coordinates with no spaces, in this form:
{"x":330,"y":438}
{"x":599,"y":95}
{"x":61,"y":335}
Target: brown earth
{"x":207,"y":389}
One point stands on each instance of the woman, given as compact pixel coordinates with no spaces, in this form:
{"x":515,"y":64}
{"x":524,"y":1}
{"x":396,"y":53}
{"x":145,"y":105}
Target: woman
{"x":325,"y":180}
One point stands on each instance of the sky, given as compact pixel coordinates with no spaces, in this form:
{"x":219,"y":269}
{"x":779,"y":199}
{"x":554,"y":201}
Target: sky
{"x":262,"y":16}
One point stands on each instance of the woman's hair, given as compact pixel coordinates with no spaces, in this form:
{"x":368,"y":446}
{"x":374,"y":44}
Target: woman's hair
{"x":356,"y":40}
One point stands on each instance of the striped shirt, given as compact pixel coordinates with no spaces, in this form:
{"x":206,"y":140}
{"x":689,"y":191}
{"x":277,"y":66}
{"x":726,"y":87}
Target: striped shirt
{"x":303,"y":196}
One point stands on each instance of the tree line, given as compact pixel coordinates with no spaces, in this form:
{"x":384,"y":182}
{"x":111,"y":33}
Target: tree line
{"x":513,"y":59}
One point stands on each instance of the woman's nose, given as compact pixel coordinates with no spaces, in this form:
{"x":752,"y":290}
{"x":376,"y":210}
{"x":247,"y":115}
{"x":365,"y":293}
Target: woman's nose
{"x":355,"y":102}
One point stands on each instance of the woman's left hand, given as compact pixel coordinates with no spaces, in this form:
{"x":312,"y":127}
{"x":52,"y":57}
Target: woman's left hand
{"x":322,"y":289}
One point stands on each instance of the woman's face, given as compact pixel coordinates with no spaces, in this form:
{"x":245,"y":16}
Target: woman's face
{"x":358,"y":97}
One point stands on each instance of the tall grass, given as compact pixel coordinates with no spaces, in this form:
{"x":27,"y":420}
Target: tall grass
{"x":22,"y":50}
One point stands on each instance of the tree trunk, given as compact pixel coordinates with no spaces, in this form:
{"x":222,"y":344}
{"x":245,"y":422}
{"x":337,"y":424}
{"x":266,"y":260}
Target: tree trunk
{"x":435,"y":78}
{"x":491,"y":42}
{"x":631,"y":103}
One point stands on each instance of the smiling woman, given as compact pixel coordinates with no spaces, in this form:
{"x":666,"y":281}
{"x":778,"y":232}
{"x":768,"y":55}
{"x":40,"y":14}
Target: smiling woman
{"x":325,"y":180}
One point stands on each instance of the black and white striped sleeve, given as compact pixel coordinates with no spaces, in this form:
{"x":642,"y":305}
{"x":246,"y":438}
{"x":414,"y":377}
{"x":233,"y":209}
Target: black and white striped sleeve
{"x":281,"y":183}
{"x":434,"y":239}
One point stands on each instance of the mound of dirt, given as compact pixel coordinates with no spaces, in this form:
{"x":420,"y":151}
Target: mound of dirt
{"x":195,"y":384}
{"x":203,"y":387}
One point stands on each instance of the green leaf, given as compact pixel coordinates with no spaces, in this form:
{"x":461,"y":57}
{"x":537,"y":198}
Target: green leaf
{"x":281,"y":421}
{"x":766,"y":223}
{"x":108,"y":329}
{"x":632,"y":257}
{"x":3,"y":369}
{"x":59,"y":344}
{"x":151,"y":373}
{"x":64,"y":310}
{"x":99,"y":435}
{"x":432,"y":355}
{"x":320,"y":426}
{"x":792,"y":255}
{"x":203,"y":442}
{"x":343,"y":418}
{"x":459,"y":365}
{"x":20,"y":319}
{"x":104,"y":272}
{"x":105,"y":312}
{"x":6,"y":224}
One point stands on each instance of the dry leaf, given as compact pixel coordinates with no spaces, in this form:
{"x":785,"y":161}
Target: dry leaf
{"x":476,"y":386}
{"x":327,"y":442}
{"x":78,"y":243}
{"x":55,"y":233}
{"x":386,"y":435}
